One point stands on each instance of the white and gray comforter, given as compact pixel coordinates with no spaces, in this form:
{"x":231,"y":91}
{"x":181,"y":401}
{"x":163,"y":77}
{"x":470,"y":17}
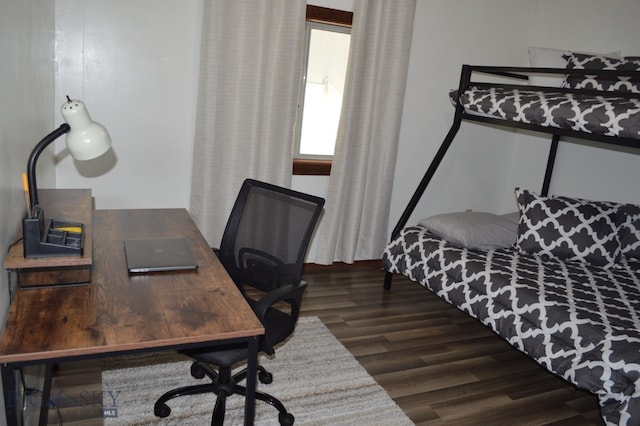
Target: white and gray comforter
{"x":580,"y":322}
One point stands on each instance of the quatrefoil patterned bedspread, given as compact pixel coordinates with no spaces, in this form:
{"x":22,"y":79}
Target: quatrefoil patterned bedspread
{"x":579,"y":321}
{"x":601,"y":115}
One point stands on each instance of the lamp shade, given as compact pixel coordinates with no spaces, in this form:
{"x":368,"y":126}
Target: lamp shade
{"x":86,"y":139}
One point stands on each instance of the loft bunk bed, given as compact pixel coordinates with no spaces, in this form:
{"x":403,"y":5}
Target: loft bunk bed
{"x":560,"y":279}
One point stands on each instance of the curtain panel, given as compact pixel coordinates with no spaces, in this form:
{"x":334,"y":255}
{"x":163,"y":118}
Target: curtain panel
{"x":355,"y":222}
{"x":250,"y":73}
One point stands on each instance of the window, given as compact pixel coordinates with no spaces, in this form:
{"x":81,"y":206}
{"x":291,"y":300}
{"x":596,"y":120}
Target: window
{"x":326,"y":57}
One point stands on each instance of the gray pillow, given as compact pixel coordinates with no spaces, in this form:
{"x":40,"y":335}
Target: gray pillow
{"x":474,"y":230}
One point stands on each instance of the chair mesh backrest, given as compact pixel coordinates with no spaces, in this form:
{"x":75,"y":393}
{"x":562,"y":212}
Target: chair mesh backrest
{"x":267,"y":235}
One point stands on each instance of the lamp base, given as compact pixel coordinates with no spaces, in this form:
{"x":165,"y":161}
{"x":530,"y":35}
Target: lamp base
{"x":50,"y":237}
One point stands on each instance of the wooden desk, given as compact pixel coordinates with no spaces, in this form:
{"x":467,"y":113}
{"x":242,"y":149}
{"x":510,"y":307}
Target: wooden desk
{"x":118,"y":313}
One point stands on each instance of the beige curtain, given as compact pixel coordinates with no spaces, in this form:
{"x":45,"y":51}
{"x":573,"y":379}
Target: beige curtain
{"x":355,"y":222}
{"x":249,"y":78}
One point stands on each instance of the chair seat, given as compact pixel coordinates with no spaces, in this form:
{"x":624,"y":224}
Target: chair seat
{"x":279,"y":324}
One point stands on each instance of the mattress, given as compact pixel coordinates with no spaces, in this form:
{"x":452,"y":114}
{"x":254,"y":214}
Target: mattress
{"x":578,"y":321}
{"x":600,"y":115}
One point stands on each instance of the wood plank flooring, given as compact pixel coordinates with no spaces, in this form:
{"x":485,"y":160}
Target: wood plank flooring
{"x":439,"y":365}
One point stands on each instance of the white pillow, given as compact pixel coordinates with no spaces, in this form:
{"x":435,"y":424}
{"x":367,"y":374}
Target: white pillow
{"x":545,"y":57}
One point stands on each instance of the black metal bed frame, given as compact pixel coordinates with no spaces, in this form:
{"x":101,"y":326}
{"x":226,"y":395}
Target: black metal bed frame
{"x":521,"y":74}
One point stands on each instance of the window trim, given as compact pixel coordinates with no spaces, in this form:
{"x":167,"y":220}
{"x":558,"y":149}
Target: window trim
{"x":341,"y":18}
{"x":311,"y":167}
{"x":325,"y":15}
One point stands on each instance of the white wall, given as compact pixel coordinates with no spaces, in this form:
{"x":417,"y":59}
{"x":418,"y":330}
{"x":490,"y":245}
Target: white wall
{"x":135,"y":65}
{"x":26,"y":84}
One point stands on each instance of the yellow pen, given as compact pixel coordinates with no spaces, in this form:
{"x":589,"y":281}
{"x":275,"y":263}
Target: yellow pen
{"x":75,"y":229}
{"x":27,"y":197}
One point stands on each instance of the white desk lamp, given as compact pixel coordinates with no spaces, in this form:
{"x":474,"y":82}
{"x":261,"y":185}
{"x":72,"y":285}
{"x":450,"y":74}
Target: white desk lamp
{"x":86,"y":140}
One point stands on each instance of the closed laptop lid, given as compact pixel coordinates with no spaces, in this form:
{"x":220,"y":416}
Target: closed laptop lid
{"x":158,"y":254}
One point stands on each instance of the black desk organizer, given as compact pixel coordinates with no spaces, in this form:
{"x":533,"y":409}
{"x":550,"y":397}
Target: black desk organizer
{"x":44,"y":238}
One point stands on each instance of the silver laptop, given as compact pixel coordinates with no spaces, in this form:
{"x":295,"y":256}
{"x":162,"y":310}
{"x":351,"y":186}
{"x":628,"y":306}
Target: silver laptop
{"x":158,"y":254}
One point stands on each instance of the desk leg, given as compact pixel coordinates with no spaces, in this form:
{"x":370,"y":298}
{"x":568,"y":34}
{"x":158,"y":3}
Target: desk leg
{"x":10,"y":390}
{"x":46,"y":395}
{"x":252,"y":368}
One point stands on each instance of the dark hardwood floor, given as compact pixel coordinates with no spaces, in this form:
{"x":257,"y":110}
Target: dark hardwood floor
{"x":439,"y":365}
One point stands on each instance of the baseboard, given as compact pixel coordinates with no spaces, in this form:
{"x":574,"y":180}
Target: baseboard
{"x":310,"y":268}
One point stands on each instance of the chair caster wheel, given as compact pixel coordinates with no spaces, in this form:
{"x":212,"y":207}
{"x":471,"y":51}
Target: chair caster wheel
{"x":196,"y":371}
{"x":286,"y":419}
{"x":265,"y":377}
{"x":161,"y":410}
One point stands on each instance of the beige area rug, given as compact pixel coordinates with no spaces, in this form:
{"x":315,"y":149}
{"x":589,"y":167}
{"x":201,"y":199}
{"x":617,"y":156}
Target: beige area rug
{"x":314,"y":375}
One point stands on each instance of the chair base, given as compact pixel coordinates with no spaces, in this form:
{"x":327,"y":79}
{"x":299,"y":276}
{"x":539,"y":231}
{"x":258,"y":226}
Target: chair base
{"x":223,"y":384}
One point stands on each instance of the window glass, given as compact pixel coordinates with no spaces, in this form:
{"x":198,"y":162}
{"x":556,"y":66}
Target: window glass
{"x":324,"y":76}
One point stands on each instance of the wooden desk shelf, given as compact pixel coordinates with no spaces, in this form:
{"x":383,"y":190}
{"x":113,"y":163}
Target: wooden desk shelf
{"x":74,"y":205}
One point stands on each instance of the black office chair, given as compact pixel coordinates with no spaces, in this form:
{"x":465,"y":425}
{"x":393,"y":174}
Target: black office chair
{"x":263,"y":246}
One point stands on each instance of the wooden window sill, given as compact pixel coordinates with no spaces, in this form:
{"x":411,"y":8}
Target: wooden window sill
{"x":311,"y":167}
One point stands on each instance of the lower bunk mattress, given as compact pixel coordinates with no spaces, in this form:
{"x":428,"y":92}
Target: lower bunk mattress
{"x":578,"y":321}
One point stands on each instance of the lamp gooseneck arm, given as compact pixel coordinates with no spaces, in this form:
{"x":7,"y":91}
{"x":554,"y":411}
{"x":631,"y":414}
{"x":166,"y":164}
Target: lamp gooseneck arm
{"x":33,"y":158}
